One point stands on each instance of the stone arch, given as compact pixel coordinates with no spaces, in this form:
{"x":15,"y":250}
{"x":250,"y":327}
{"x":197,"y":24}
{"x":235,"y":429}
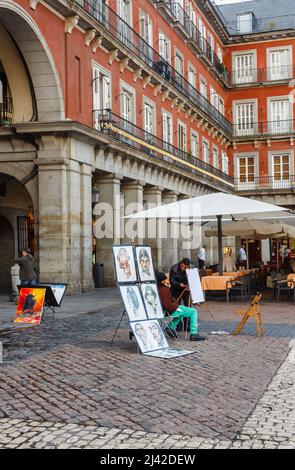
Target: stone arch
{"x":20,"y":171}
{"x":38,"y":58}
{"x":7,"y":251}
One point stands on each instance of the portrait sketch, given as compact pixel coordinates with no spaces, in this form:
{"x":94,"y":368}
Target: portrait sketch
{"x":124,"y":263}
{"x":145,"y":263}
{"x":152,"y":301}
{"x":133,"y":303}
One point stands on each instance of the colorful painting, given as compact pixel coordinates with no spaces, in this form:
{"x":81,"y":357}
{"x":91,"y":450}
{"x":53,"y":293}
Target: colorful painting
{"x":30,"y":305}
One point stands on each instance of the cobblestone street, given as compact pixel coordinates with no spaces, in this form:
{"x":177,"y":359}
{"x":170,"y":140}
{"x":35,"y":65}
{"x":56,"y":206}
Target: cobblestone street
{"x":64,"y":385}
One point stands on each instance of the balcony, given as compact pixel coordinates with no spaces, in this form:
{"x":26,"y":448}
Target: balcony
{"x":6,"y":112}
{"x":246,"y":76}
{"x":126,"y":132}
{"x":248,"y":129}
{"x":184,"y":24}
{"x":260,"y":183}
{"x":121,"y":31}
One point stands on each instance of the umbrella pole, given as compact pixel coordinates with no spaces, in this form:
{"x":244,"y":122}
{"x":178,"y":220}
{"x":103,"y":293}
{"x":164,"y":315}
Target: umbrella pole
{"x":219,"y":236}
{"x":247,"y":252}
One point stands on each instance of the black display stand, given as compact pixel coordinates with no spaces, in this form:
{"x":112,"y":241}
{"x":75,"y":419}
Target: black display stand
{"x":50,"y":301}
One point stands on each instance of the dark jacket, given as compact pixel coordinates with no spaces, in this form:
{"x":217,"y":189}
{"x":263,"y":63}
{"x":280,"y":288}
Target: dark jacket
{"x":176,"y":277}
{"x":27,"y":268}
{"x":168,"y":301}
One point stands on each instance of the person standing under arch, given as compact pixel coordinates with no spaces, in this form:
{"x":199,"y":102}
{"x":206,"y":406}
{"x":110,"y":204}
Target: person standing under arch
{"x":27,"y":272}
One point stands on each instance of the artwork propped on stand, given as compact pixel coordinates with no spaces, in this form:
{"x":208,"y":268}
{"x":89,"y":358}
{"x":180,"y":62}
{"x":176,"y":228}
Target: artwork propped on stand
{"x":152,"y":301}
{"x":145,"y":265}
{"x":30,"y":305}
{"x":133,"y":302}
{"x":124,"y":263}
{"x":149,"y":335}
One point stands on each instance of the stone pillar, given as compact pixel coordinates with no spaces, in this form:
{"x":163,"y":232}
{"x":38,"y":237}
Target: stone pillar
{"x":15,"y":281}
{"x":170,"y":239}
{"x":133,"y":202}
{"x":107,"y":230}
{"x":184,"y":249}
{"x":86,"y":228}
{"x":153,"y":198}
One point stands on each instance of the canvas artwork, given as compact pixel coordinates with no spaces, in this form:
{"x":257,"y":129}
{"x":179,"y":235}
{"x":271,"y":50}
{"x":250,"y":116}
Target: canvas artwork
{"x":124,"y":263}
{"x":169,"y":353}
{"x":133,"y":303}
{"x":58,"y":291}
{"x":195,"y":286}
{"x":30,"y":305}
{"x":145,"y":263}
{"x":152,"y":301}
{"x":149,"y":335}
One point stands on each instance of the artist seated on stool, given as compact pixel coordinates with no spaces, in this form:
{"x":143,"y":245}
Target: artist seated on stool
{"x":171,"y":305}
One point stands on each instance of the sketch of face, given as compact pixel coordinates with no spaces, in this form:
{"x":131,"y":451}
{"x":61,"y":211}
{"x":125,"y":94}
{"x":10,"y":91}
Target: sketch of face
{"x":132,"y":300}
{"x":145,"y":262}
{"x":141,"y":333}
{"x":151,"y":298}
{"x":157,"y":334}
{"x":123,"y":259}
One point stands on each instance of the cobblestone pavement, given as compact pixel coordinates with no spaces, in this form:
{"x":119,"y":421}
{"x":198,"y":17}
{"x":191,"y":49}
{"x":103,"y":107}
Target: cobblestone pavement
{"x":62,"y":384}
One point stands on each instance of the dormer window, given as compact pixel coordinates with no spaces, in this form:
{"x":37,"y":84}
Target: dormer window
{"x":245,"y":22}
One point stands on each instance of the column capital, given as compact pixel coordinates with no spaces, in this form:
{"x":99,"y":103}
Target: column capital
{"x":154,"y":189}
{"x":108,"y":178}
{"x":134,"y":184}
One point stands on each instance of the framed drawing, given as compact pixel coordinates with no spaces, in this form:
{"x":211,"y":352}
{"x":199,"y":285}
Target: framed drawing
{"x":152,"y":300}
{"x":149,"y":335}
{"x":30,"y":305}
{"x":133,"y":303}
{"x":145,"y":265}
{"x":169,"y":353}
{"x":195,"y":286}
{"x":124,"y":263}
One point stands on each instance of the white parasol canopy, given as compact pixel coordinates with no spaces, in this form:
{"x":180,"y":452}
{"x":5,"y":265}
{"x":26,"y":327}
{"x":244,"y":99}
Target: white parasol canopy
{"x":255,"y":229}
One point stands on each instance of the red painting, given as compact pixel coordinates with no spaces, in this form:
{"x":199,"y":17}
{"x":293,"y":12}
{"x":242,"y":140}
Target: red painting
{"x":30,"y":305}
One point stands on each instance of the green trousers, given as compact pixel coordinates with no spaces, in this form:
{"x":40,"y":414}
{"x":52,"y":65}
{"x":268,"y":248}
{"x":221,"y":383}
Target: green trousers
{"x":185,"y":312}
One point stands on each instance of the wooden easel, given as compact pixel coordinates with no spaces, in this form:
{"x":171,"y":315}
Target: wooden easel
{"x":190,"y":303}
{"x":252,"y":311}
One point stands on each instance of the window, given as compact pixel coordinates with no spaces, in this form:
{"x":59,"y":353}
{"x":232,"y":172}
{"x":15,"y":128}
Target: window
{"x":149,"y":117}
{"x":246,"y":172}
{"x":206,"y":151}
{"x":280,"y":169}
{"x":244,"y":68}
{"x":101,"y":91}
{"x":244,"y":118}
{"x":167,"y":128}
{"x":191,"y":75}
{"x":179,"y":68}
{"x":279,"y":63}
{"x":127,"y":105}
{"x":203,"y":87}
{"x":245,"y":22}
{"x":212,"y":45}
{"x":219,"y":54}
{"x":146,"y":33}
{"x":164,"y":47}
{"x":279,"y":116}
{"x":202,"y":30}
{"x":124,"y":10}
{"x":213,"y":97}
{"x":221,"y":106}
{"x":181,"y":136}
{"x":215,"y":157}
{"x":194,"y":147}
{"x":224,"y":163}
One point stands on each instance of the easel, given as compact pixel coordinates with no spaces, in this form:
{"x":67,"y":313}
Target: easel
{"x":199,"y":305}
{"x":119,"y":324}
{"x":252,"y":311}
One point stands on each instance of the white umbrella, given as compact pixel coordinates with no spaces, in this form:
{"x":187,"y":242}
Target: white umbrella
{"x":210,"y":207}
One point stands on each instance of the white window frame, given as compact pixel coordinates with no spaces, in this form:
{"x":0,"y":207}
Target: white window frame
{"x":164,"y":46}
{"x":282,"y":125}
{"x":224,"y":162}
{"x":204,"y":158}
{"x":271,"y":75}
{"x":219,"y":53}
{"x":195,"y":138}
{"x":247,"y":130}
{"x":237,"y":157}
{"x":282,"y":183}
{"x":131,"y":91}
{"x":203,"y":81}
{"x":221,"y":105}
{"x":152,"y":105}
{"x":214,"y":98}
{"x":184,"y":127}
{"x":97,"y":99}
{"x":241,"y":21}
{"x":248,"y":75}
{"x":215,"y":156}
{"x":169,"y":139}
{"x":191,"y":70}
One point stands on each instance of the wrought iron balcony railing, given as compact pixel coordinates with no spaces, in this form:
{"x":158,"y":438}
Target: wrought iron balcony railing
{"x":125,"y":131}
{"x":196,"y":36}
{"x":6,"y":112}
{"x":118,"y":28}
{"x":258,"y":183}
{"x":261,"y":129}
{"x":245,"y":75}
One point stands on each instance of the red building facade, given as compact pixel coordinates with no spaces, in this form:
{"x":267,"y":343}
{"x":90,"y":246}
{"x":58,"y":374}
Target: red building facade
{"x":143,"y":101}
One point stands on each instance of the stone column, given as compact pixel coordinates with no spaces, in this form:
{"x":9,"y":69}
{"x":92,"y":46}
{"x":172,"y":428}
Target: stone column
{"x":170,"y":239}
{"x":184,"y":249}
{"x":86,"y":228}
{"x":133,"y":202}
{"x":107,"y":225}
{"x":153,"y":198}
